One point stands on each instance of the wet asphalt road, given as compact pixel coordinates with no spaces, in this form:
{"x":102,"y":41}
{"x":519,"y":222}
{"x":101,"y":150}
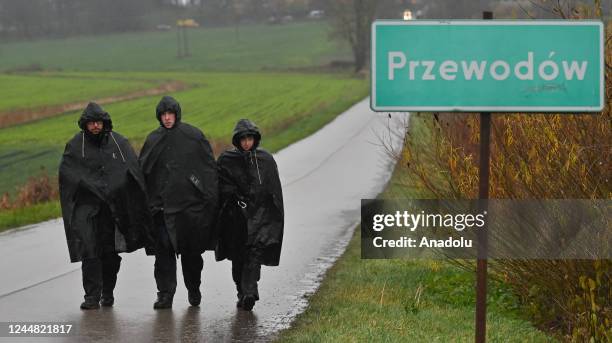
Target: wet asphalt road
{"x":324,"y":177}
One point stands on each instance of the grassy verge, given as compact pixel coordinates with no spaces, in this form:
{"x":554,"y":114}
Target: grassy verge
{"x":377,"y":301}
{"x":28,"y":215}
{"x":405,"y":300}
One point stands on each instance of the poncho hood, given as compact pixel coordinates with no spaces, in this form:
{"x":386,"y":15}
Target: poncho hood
{"x":243,"y":128}
{"x":168,"y":104}
{"x":95,"y":112}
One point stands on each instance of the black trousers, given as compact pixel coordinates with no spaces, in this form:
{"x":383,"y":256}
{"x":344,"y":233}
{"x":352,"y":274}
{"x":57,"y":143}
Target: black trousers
{"x":100,"y":275}
{"x":246,"y":271}
{"x":165,"y":263}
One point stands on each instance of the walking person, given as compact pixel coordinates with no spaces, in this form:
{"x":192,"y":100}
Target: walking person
{"x":103,"y":202}
{"x":251,"y":217}
{"x":181,"y":178}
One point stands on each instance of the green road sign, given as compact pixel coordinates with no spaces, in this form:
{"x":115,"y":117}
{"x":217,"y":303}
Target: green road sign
{"x":488,"y":66}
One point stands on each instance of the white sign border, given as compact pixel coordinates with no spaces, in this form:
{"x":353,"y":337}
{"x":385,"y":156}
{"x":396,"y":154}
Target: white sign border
{"x":536,"y":109}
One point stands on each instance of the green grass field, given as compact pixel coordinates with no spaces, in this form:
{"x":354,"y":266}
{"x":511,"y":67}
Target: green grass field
{"x":378,"y":300}
{"x":215,"y":103}
{"x":286,"y":106}
{"x":231,"y":74}
{"x":256,"y":47}
{"x":20,"y":92}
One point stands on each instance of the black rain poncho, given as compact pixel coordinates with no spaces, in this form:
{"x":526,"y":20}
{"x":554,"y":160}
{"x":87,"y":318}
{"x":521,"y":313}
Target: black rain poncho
{"x":181,"y":177}
{"x":102,"y":171}
{"x":251,"y":212}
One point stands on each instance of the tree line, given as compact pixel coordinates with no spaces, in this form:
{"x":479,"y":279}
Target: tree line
{"x":34,"y":19}
{"x":52,"y":18}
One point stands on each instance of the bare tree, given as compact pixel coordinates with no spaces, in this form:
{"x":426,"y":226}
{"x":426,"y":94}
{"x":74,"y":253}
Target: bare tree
{"x":351,"y":20}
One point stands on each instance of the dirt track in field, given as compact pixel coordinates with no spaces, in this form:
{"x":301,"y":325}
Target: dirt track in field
{"x":11,"y":118}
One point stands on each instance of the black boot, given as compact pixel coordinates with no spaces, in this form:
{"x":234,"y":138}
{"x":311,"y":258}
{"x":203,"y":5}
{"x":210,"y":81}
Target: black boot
{"x":248,"y":302}
{"x":239,"y":303}
{"x":164,"y":300}
{"x":251,"y":271}
{"x":194,"y":297}
{"x":192,"y":275}
{"x":92,"y":283}
{"x":107,"y":300}
{"x":90,"y":303}
{"x":110,"y":267}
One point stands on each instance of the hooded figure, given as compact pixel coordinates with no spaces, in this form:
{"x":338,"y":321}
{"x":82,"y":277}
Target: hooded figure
{"x":181,"y":177}
{"x":104,"y":205}
{"x":251,"y":217}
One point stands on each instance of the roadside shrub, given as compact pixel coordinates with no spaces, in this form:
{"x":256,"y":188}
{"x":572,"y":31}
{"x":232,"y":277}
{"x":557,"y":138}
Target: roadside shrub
{"x":38,"y":189}
{"x":534,"y":156}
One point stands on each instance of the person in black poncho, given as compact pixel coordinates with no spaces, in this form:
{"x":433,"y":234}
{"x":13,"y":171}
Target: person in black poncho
{"x":181,"y":177}
{"x":251,"y":216}
{"x":104,"y":203}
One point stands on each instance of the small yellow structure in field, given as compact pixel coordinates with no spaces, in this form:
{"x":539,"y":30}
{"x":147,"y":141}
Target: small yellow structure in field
{"x":187,"y":23}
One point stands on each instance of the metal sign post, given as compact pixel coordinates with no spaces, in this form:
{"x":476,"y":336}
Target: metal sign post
{"x":481,"y":262}
{"x":179,"y":45}
{"x":483,"y":195}
{"x":186,"y":42}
